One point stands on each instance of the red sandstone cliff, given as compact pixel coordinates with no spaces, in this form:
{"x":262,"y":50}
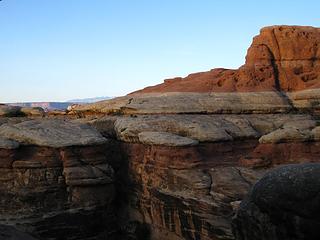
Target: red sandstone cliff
{"x":282,"y":58}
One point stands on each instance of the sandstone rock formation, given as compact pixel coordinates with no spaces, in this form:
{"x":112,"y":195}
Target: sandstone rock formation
{"x":282,"y":58}
{"x":55,"y":179}
{"x":189,"y":189}
{"x":176,"y":159}
{"x":52,"y":133}
{"x":284,"y":204}
{"x":229,"y":127}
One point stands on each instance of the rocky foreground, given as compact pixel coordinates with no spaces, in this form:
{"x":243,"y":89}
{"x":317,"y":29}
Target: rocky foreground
{"x":174,"y":161}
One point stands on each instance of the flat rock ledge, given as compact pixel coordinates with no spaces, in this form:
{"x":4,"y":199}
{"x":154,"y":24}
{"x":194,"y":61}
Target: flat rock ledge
{"x":49,"y":133}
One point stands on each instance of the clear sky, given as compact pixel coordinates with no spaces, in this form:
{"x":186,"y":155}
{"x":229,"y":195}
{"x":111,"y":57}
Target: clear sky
{"x":54,"y":50}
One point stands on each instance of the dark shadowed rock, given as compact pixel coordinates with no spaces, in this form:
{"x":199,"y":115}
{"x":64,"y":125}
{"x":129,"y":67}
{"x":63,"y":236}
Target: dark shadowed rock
{"x":9,"y":111}
{"x":283,"y":205}
{"x":10,"y":233}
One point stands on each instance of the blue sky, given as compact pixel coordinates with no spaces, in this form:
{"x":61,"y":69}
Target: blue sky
{"x":54,"y":50}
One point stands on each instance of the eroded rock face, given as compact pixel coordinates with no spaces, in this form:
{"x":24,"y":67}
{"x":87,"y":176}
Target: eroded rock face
{"x":180,"y":156}
{"x":56,"y":181}
{"x":52,"y":133}
{"x":191,"y":191}
{"x":284,"y":204}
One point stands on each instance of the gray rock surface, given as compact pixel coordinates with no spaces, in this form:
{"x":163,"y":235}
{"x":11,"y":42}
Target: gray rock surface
{"x":209,"y":128}
{"x":292,"y":131}
{"x":8,"y":144}
{"x":52,"y":133}
{"x":244,"y":102}
{"x":165,"y":139}
{"x":283,"y":205}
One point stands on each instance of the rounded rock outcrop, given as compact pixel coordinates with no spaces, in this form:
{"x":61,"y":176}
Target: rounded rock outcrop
{"x":283,"y":205}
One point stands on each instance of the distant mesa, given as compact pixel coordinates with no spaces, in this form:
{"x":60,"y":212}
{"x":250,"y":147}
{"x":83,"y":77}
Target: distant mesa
{"x":282,"y":58}
{"x":48,"y":106}
{"x":88,"y":100}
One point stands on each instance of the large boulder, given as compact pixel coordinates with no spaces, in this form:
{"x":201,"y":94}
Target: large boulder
{"x":283,"y":205}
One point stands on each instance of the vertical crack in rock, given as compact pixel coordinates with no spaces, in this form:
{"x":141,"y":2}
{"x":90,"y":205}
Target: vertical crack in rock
{"x":242,"y":177}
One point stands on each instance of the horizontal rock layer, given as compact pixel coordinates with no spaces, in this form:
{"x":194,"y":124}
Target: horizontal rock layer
{"x":208,"y":103}
{"x":56,"y":181}
{"x":192,"y":192}
{"x":44,"y":188}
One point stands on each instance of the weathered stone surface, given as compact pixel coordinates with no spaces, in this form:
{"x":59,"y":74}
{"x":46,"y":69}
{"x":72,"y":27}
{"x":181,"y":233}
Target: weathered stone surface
{"x":194,"y":191}
{"x":56,"y":180}
{"x":283,"y":205}
{"x":55,"y":192}
{"x":9,"y":111}
{"x":307,"y":100}
{"x":88,"y":175}
{"x":292,"y":131}
{"x":209,"y":128}
{"x":285,"y":135}
{"x":153,"y":103}
{"x":8,"y":144}
{"x":165,"y":139}
{"x":52,"y":133}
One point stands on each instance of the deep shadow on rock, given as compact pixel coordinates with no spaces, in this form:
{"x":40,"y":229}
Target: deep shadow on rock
{"x":10,"y":233}
{"x":283,"y":205}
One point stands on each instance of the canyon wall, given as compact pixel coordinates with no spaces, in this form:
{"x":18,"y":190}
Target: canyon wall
{"x":196,"y":145}
{"x":172,"y":161}
{"x":56,"y":182}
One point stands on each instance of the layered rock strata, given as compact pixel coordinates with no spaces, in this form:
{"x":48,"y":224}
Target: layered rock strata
{"x":189,"y":172}
{"x":56,"y":182}
{"x":196,"y":145}
{"x":179,"y":157}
